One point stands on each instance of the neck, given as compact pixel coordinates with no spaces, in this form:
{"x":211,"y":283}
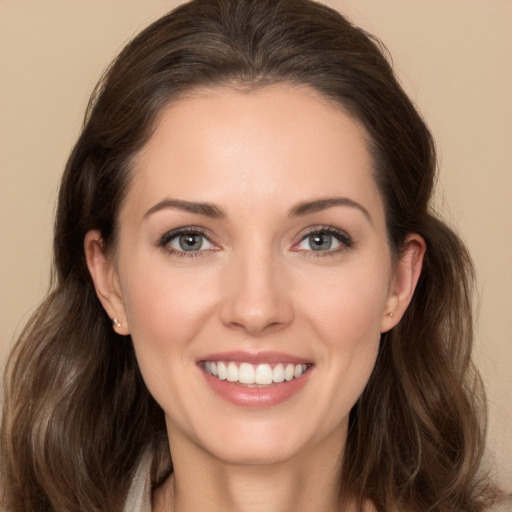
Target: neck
{"x":309,"y":481}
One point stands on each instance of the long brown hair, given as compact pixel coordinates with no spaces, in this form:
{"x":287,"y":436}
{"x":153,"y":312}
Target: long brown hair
{"x":77,"y":416}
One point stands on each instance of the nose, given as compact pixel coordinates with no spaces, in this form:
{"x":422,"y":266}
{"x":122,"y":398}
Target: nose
{"x":257,"y":299}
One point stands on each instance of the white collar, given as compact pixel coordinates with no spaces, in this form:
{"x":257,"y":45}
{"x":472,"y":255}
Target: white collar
{"x":139,"y":494}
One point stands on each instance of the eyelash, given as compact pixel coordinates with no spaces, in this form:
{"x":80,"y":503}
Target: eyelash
{"x":346,"y":242}
{"x":171,"y":235}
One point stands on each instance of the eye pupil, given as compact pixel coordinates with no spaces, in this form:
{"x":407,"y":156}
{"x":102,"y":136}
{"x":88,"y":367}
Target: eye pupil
{"x":320,"y":241}
{"x":190,"y":242}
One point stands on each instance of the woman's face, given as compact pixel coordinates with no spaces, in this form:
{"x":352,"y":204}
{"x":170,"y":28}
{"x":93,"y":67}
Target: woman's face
{"x":253,"y":271}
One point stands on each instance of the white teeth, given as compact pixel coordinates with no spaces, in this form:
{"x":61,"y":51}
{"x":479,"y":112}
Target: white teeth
{"x":261,"y":374}
{"x":289,"y":371}
{"x":222,"y":371}
{"x":232,"y":375}
{"x":246,"y":373}
{"x":278,"y":373}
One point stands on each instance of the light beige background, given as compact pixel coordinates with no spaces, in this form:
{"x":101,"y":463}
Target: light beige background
{"x":454,"y":59}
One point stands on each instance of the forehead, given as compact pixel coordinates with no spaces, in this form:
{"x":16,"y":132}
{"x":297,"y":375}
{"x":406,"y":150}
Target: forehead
{"x":265,"y":145}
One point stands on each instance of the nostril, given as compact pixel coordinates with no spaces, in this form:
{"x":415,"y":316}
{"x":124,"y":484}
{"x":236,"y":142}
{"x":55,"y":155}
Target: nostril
{"x":256,"y":329}
{"x":257,"y":301}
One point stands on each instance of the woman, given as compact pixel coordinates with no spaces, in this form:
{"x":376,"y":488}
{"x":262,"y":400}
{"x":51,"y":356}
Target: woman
{"x":248,"y":279}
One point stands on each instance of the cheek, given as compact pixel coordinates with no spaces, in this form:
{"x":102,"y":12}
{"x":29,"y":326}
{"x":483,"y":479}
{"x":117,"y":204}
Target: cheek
{"x":165,"y":308}
{"x":346,"y":312}
{"x":350,"y":329}
{"x":348,"y":304}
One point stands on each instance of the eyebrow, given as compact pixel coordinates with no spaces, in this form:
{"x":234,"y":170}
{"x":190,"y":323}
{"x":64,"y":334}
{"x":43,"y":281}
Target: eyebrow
{"x":206,"y":209}
{"x":318,"y":205}
{"x":215,"y":212}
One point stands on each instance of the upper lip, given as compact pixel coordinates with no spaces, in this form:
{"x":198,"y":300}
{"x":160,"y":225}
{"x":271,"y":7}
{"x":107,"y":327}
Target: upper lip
{"x":255,"y":357}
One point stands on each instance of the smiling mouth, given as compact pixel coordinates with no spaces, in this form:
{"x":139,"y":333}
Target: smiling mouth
{"x":259,"y":375}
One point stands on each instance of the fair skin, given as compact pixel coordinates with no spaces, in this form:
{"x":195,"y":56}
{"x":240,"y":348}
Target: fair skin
{"x":253,"y":233}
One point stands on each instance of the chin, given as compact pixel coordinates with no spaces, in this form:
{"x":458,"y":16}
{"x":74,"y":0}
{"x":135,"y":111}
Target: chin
{"x":264,"y":443}
{"x":255,"y":453}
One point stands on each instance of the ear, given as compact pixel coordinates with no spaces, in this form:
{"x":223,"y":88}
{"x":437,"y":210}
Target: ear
{"x":405,"y":279}
{"x":106,"y":282}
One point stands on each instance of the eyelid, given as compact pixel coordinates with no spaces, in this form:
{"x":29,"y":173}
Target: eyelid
{"x":163,"y":242}
{"x":345,"y":240}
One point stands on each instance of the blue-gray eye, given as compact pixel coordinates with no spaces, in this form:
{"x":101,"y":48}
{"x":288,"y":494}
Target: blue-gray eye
{"x":190,"y":242}
{"x":319,"y":241}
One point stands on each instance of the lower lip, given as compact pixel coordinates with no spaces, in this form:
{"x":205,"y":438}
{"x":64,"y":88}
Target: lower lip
{"x":256,"y":397}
